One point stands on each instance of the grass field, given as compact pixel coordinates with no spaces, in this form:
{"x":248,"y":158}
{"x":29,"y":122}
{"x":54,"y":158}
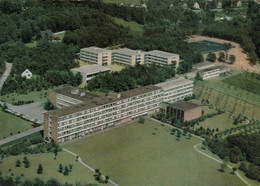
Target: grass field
{"x":227,"y":102}
{"x":35,"y":96}
{"x":135,"y":27}
{"x":147,"y":154}
{"x":50,"y":168}
{"x":205,"y":46}
{"x":238,"y":86}
{"x":222,"y":122}
{"x":12,"y":124}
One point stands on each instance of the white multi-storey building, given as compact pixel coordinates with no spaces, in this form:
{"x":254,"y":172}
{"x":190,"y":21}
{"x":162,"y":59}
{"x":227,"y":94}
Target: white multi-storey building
{"x":161,"y":58}
{"x":96,"y":55}
{"x":125,"y":56}
{"x":84,"y":113}
{"x":176,"y":90}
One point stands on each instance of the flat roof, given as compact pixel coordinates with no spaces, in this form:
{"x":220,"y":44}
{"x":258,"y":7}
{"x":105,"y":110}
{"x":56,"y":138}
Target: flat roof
{"x":174,"y":83}
{"x":161,"y":53}
{"x":94,"y":49}
{"x":92,"y":100}
{"x":91,"y":69}
{"x":126,"y":51}
{"x":184,"y":106}
{"x":209,"y":69}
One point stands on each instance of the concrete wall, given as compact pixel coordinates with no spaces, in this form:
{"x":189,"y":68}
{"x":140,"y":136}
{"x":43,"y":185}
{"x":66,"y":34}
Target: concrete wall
{"x":192,"y":114}
{"x":53,"y":98}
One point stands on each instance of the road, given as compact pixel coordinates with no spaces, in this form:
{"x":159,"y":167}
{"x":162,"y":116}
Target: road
{"x":6,"y":74}
{"x":85,"y":165}
{"x":23,"y":134}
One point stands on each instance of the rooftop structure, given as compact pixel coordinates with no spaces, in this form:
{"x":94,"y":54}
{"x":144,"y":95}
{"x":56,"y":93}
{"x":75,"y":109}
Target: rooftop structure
{"x":174,"y":83}
{"x":89,"y":71}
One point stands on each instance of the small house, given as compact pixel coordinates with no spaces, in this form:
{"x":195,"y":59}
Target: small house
{"x":196,"y":5}
{"x":48,"y":34}
{"x":219,"y":5}
{"x":27,"y":74}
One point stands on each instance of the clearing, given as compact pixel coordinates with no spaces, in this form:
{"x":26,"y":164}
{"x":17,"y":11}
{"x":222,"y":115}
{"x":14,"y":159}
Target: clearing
{"x":147,"y":154}
{"x":241,"y":62}
{"x":50,"y":168}
{"x":12,"y":124}
{"x":134,"y":26}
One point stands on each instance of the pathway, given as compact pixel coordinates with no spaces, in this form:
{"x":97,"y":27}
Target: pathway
{"x":6,"y":74}
{"x":85,"y":165}
{"x":238,"y":175}
{"x":23,"y":134}
{"x":195,"y":147}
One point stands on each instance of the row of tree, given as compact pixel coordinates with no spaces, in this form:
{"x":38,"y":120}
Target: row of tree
{"x":131,"y":77}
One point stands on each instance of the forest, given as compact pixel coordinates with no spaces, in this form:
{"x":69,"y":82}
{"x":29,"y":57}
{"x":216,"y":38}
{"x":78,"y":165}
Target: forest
{"x":90,"y":23}
{"x":239,"y":148}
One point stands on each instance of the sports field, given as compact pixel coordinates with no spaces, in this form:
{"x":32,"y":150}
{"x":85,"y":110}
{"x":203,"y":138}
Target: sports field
{"x":50,"y":168}
{"x":147,"y":154}
{"x":10,"y":124}
{"x":205,"y":46}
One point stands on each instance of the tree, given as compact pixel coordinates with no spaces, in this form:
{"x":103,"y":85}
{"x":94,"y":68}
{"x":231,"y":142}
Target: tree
{"x":232,"y":59}
{"x":66,"y":171}
{"x":18,"y":163}
{"x":234,"y":169}
{"x":198,"y":77}
{"x":40,"y":169}
{"x":221,"y":57}
{"x":211,"y":57}
{"x":141,"y":119}
{"x":60,"y":168}
{"x":223,"y":166}
{"x":26,"y":162}
{"x":26,"y":32}
{"x":107,"y":178}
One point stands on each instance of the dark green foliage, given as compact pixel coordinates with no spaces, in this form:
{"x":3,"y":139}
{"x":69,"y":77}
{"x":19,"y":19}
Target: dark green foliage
{"x":26,"y":162}
{"x":130,"y":77}
{"x":221,"y":57}
{"x":48,"y":105}
{"x":66,"y":171}
{"x":2,"y":66}
{"x":141,"y":120}
{"x":232,"y":59}
{"x":60,"y":168}
{"x":198,"y":77}
{"x":40,"y":169}
{"x":18,"y":163}
{"x":211,"y":57}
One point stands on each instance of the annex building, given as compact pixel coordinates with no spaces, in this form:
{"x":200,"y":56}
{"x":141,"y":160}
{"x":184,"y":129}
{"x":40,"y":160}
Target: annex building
{"x":184,"y":111}
{"x":89,"y":71}
{"x":125,"y":56}
{"x":82,"y":113}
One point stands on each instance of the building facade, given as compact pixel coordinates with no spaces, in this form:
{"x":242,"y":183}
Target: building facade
{"x":125,"y":56}
{"x":82,"y":113}
{"x":96,"y":55}
{"x":161,"y":58}
{"x":184,"y":111}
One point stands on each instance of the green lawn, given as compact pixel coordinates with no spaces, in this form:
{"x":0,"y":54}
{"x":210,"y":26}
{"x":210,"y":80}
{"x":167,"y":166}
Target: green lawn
{"x":12,"y":124}
{"x":31,"y":45}
{"x":227,"y":101}
{"x":222,"y":122}
{"x":147,"y":154}
{"x":237,"y":85}
{"x":35,"y":96}
{"x":60,"y":36}
{"x":135,"y":27}
{"x":50,"y":168}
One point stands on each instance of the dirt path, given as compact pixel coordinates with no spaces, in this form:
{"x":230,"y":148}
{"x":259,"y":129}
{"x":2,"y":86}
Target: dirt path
{"x":241,"y":63}
{"x":5,"y":74}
